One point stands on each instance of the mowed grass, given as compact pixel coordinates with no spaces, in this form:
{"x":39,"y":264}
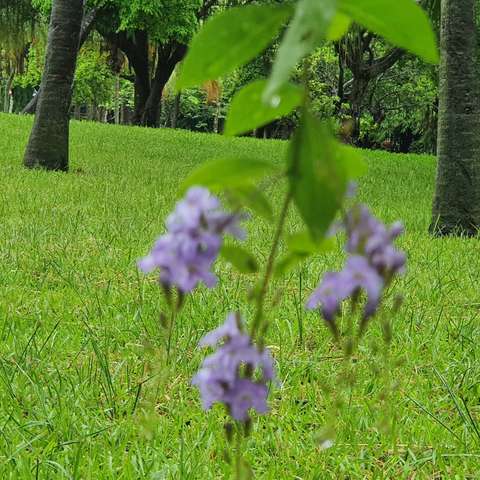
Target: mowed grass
{"x":85,"y":391}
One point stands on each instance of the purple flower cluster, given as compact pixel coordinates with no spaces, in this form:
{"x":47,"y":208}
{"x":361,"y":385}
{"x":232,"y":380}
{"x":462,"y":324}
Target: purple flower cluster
{"x":186,"y":253}
{"x":373,"y":262}
{"x":367,"y":236}
{"x":237,"y":373}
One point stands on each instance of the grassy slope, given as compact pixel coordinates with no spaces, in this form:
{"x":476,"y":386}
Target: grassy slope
{"x":79,"y":327}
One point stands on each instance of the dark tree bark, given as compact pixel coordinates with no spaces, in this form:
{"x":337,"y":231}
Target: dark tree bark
{"x":87,"y":26}
{"x":167,"y":58}
{"x":148,"y":89}
{"x":49,"y":139}
{"x":456,"y":205}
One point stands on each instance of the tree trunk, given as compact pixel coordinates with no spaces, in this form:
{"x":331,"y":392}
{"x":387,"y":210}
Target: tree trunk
{"x":167,"y":58}
{"x":8,"y":98}
{"x":148,"y":90}
{"x":48,"y":144}
{"x":117,"y":100}
{"x":216,"y":116}
{"x":456,"y":205}
{"x":356,"y":51}
{"x":87,"y":27}
{"x":176,"y":109}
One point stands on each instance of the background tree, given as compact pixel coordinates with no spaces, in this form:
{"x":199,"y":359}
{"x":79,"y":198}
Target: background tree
{"x":153,"y":35}
{"x":18,"y":22}
{"x":357,"y":51}
{"x":49,"y":140}
{"x":88,"y":23}
{"x":456,"y":206}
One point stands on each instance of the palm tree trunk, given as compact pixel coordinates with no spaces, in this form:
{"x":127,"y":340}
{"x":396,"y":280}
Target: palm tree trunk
{"x":456,"y":206}
{"x":48,"y":144}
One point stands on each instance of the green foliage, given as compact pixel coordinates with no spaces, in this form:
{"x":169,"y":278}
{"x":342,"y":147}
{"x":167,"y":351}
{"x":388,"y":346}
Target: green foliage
{"x":240,"y":258}
{"x":302,"y":243}
{"x":301,"y":246}
{"x":308,"y":28}
{"x":249,"y":196}
{"x":402,"y":108}
{"x":195,"y":112}
{"x":164,"y":20}
{"x":402,"y":22}
{"x":32,"y":73}
{"x":338,"y":27}
{"x":248,"y":110}
{"x":94,"y":81}
{"x":319,"y":171}
{"x":229,"y":40}
{"x":233,"y":172}
{"x":321,"y":70}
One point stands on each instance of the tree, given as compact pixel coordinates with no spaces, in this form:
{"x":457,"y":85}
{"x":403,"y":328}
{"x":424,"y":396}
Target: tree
{"x":17,"y":31}
{"x":49,"y":140}
{"x":456,"y":205}
{"x":153,"y":35}
{"x":356,"y":51}
{"x":87,"y":26}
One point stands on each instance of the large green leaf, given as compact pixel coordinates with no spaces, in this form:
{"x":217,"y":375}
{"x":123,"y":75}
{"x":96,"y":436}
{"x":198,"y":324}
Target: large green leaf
{"x":338,"y":27}
{"x":250,"y":196}
{"x":300,"y":247}
{"x":229,"y":40}
{"x":240,"y":258}
{"x":308,"y":28}
{"x":227,"y":173}
{"x":320,"y":169}
{"x":302,"y":243}
{"x":402,"y":22}
{"x":248,"y":110}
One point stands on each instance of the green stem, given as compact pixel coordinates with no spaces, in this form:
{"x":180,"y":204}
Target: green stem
{"x":170,"y":331}
{"x":257,"y":321}
{"x":238,"y":455}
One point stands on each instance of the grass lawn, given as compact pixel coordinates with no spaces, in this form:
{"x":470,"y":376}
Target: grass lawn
{"x":84,"y":389}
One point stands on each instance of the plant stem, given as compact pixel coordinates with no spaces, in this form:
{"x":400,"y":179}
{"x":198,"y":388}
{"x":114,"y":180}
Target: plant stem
{"x":238,"y":456}
{"x":170,"y":331}
{"x":257,"y":321}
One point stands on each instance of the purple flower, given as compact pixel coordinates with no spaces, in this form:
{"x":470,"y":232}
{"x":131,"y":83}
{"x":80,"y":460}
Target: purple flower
{"x":186,"y":253}
{"x":237,"y":373}
{"x":367,"y":236}
{"x":230,"y":329}
{"x":244,"y":396}
{"x":329,"y":295}
{"x":360,"y":275}
{"x":372,"y":263}
{"x":336,"y":287}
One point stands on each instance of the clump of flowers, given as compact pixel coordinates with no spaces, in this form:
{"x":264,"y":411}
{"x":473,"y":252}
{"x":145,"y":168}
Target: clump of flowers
{"x":373,"y":263}
{"x":195,"y":230}
{"x":237,"y":374}
{"x":369,"y":237}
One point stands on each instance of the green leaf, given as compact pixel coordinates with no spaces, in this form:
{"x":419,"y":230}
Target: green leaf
{"x":308,"y":28}
{"x":287,"y":263}
{"x":227,"y":173}
{"x":320,"y":169}
{"x":248,"y":110}
{"x":251,"y":197}
{"x":401,"y":22}
{"x":338,"y":27}
{"x":240,"y":258}
{"x":303,"y":244}
{"x":229,"y":40}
